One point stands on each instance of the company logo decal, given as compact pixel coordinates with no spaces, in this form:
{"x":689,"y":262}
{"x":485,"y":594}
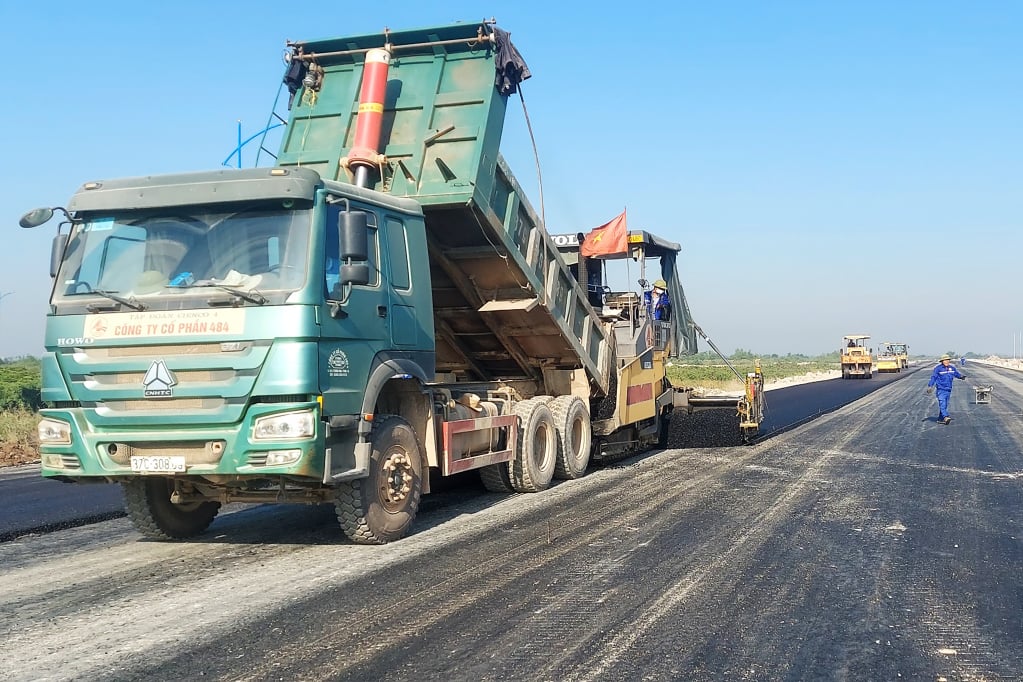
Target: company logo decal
{"x":158,"y":380}
{"x":74,"y":341}
{"x":565,"y":239}
{"x":169,"y":323}
{"x":337,"y":363}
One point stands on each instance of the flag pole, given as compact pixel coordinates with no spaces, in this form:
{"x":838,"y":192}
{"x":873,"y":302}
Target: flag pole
{"x":628,"y":270}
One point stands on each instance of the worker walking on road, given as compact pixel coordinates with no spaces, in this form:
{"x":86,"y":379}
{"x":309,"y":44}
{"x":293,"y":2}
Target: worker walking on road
{"x":941,"y":383}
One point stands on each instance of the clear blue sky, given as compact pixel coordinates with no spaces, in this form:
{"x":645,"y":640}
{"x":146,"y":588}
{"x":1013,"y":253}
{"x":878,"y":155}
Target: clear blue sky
{"x":829,"y":168}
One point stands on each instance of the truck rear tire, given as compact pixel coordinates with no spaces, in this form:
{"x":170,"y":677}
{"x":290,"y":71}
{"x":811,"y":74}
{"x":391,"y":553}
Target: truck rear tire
{"x":381,"y":507}
{"x":496,"y":478}
{"x":572,"y":426}
{"x":147,"y":501}
{"x":536,"y":451}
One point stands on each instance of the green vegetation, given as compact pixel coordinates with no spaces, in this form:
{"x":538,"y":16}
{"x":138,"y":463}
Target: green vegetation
{"x":20,"y":385}
{"x":21,"y":381}
{"x":18,"y":439}
{"x":708,"y":370}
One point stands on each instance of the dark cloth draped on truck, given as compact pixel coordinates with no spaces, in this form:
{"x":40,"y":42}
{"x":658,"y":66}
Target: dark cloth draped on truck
{"x":293,"y":77}
{"x":510,"y":66}
{"x":681,"y":319}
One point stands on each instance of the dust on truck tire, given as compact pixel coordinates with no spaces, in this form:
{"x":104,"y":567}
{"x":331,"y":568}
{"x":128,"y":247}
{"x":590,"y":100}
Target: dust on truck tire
{"x":535,"y":459}
{"x":148,"y":503}
{"x":572,"y":423}
{"x":381,"y":507}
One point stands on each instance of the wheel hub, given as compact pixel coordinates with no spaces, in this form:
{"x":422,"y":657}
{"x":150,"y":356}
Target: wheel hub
{"x":397,"y":484}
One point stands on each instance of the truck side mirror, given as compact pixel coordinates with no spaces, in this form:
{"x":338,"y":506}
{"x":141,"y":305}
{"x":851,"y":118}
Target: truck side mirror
{"x":57,"y":252}
{"x":36,"y":217}
{"x":353,"y":235}
{"x":354,"y":273}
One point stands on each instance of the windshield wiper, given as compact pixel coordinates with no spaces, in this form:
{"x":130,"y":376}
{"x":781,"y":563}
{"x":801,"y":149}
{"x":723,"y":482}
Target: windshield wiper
{"x":250,"y":296}
{"x":130,"y":301}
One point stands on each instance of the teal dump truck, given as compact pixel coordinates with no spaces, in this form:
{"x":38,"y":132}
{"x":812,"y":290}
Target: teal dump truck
{"x":380,"y":304}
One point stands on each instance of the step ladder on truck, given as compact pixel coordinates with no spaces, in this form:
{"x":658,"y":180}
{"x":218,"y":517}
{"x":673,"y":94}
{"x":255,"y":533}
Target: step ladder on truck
{"x":380,"y":304}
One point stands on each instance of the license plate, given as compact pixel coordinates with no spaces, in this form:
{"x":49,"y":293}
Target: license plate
{"x":158,"y":465}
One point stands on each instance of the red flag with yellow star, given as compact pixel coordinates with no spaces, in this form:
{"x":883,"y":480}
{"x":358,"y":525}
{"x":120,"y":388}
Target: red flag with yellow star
{"x":607,"y":240}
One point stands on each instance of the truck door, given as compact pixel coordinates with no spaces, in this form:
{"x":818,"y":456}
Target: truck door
{"x":354,"y":322}
{"x":406,"y":330}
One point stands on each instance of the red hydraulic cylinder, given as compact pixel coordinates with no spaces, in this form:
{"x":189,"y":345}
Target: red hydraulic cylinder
{"x":365,"y":152}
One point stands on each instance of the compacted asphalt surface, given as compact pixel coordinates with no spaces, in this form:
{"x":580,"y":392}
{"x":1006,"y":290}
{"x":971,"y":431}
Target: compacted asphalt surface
{"x":869,"y":543}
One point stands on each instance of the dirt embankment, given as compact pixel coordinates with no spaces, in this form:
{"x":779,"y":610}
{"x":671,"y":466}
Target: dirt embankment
{"x":13,"y":454}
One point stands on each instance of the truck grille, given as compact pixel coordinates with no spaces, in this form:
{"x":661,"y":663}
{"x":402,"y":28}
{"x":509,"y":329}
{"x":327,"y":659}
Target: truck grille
{"x":110,"y":381}
{"x":164,"y":404}
{"x":162,"y":351}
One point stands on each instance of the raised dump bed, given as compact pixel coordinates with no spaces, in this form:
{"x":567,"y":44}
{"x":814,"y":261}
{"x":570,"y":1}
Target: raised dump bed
{"x":506,"y":306}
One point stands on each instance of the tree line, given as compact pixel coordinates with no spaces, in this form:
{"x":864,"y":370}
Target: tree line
{"x":21,"y":381}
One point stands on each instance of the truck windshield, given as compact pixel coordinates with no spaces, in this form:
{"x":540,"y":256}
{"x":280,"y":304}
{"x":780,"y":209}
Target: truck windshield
{"x":180,"y":258}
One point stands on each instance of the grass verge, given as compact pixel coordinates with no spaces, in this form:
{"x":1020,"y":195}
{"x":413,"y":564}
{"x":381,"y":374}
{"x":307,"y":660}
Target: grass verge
{"x":19,"y":440}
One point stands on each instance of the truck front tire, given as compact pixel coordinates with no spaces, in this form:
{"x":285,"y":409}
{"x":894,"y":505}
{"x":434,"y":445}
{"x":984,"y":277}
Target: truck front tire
{"x":147,"y":501}
{"x":381,"y":507}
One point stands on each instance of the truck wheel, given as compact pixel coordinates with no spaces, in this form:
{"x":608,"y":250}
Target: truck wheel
{"x":381,"y":507}
{"x":572,"y":427}
{"x":536,"y":453}
{"x":147,"y":501}
{"x":496,"y":478}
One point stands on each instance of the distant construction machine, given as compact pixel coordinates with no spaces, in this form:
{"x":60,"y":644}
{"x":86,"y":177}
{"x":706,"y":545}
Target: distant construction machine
{"x":856,"y":359}
{"x":892,"y":357}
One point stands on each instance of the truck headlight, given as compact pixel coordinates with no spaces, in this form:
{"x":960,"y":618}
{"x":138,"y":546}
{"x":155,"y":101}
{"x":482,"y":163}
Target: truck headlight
{"x":281,"y":457}
{"x":287,"y":426}
{"x":54,"y":432}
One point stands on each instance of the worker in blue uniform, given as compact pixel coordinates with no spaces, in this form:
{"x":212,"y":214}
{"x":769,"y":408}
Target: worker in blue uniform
{"x":657,"y":302}
{"x":941,"y":383}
